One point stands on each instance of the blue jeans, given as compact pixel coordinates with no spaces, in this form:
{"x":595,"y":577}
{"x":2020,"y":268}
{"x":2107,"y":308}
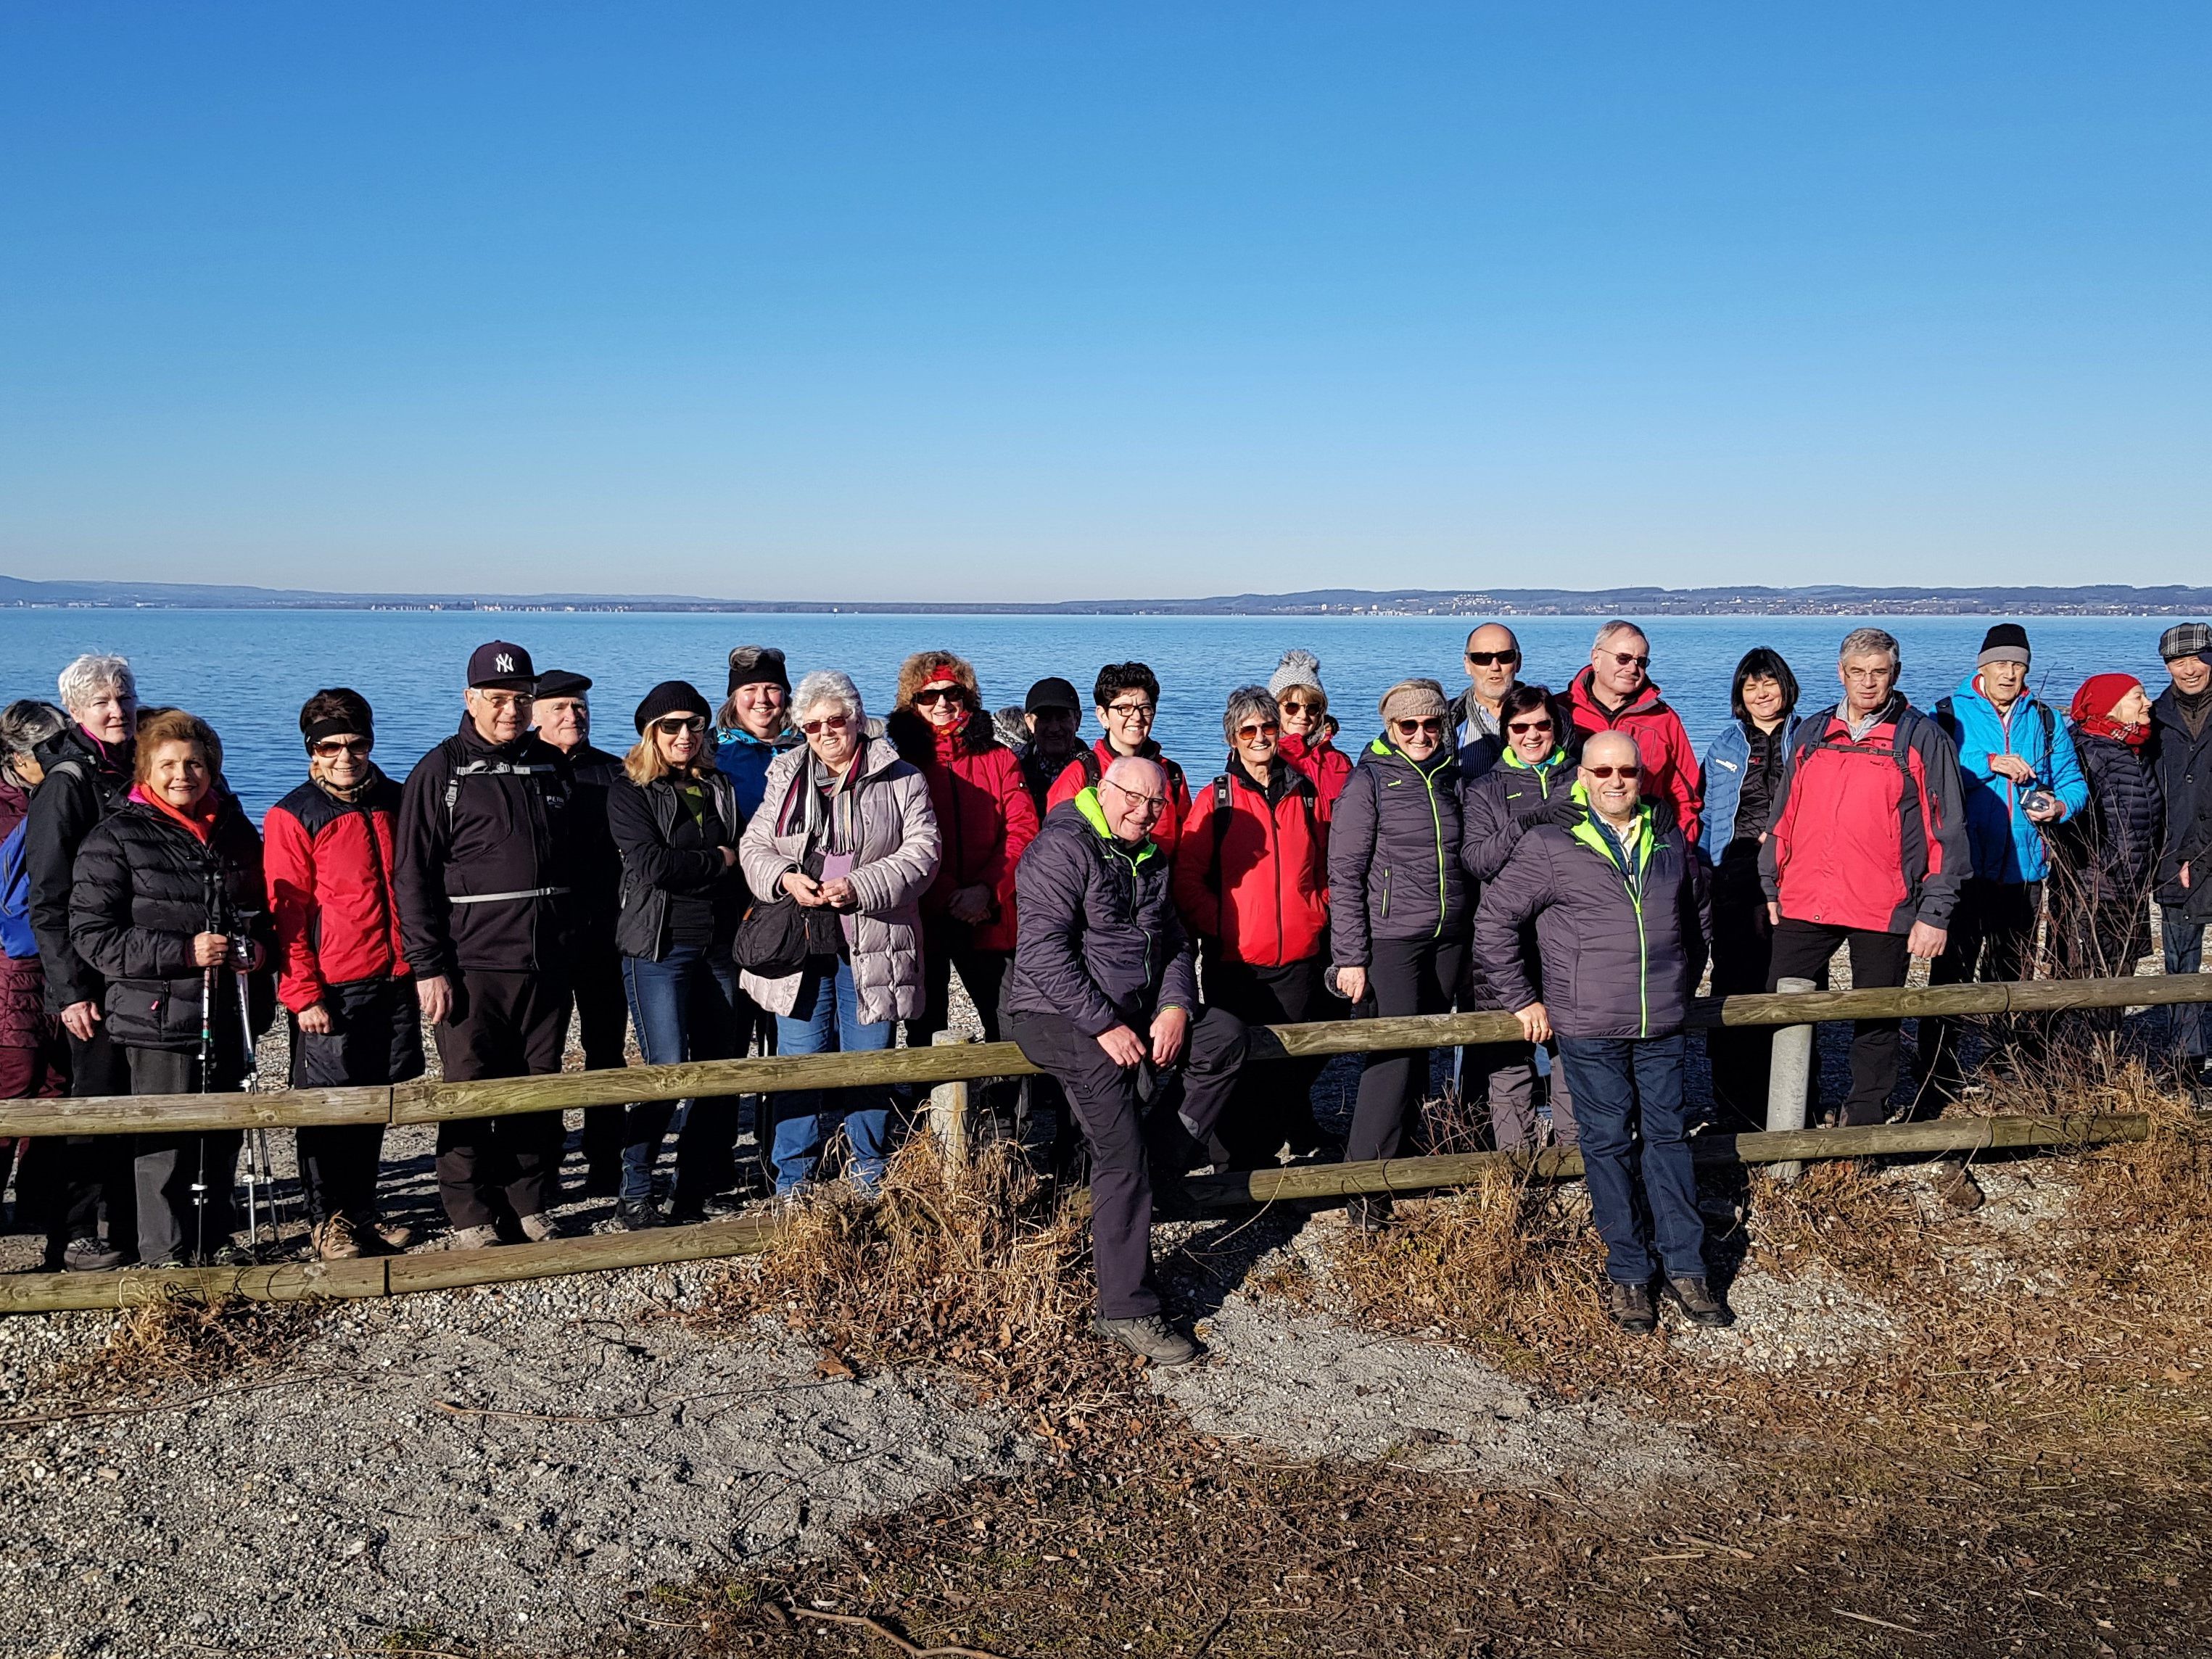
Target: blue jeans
{"x":826,"y":1019}
{"x":1618,"y":1082}
{"x":684,"y":1008}
{"x":2184,"y":954}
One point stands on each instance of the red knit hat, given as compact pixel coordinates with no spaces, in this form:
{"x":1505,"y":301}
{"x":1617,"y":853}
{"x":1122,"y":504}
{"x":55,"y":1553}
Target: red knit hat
{"x":2100,"y":694}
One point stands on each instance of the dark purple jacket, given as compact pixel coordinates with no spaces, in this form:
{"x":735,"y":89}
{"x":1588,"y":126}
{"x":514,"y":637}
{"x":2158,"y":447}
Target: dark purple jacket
{"x":1496,"y":809}
{"x":1620,"y":957}
{"x":1100,"y":941}
{"x":1394,"y":854}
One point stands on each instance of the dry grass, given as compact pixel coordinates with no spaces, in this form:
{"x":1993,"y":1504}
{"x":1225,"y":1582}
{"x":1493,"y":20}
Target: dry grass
{"x":183,"y":1339}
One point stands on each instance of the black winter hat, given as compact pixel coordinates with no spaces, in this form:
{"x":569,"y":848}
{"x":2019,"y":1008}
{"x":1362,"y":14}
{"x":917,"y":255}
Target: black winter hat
{"x":502,"y":665}
{"x":1052,"y":693}
{"x":2005,"y":643}
{"x":759,"y":664}
{"x":672,"y":697}
{"x":560,"y":682}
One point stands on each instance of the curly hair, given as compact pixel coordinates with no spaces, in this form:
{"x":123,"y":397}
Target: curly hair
{"x":924,"y":666}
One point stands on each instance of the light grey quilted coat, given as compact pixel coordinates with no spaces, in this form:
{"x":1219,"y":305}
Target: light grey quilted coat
{"x":897,"y":858}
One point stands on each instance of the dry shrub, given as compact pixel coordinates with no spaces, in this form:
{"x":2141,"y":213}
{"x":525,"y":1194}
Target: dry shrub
{"x":979,"y":1268}
{"x":183,"y":1339}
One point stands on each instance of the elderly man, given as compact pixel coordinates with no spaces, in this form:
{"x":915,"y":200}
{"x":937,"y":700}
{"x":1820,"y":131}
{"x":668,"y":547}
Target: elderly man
{"x":486,"y":883}
{"x":1102,"y":993}
{"x":1494,"y":669}
{"x":1615,"y":693}
{"x":1867,"y":846}
{"x":87,"y":776}
{"x":2181,"y":728}
{"x":1621,"y":915}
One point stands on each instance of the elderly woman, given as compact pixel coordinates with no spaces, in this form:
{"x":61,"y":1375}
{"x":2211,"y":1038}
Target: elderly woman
{"x":344,"y":978}
{"x":167,"y":907}
{"x":1530,"y":783}
{"x":675,"y":818}
{"x":1399,"y":902}
{"x":985,"y":819}
{"x":2107,"y":854}
{"x":845,"y":830}
{"x":34,"y":1065}
{"x":1302,"y":707}
{"x":1252,"y":883}
{"x":87,"y":767}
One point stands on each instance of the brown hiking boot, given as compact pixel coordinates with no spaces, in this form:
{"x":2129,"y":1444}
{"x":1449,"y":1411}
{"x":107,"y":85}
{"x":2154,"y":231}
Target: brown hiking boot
{"x":394,"y":1236}
{"x":1629,"y":1307}
{"x":1697,"y":1303}
{"x":334,"y":1241}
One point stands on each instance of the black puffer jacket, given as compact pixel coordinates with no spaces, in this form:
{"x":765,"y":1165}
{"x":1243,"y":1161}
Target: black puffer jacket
{"x":2183,"y":763}
{"x":643,"y":820}
{"x":1394,"y":854}
{"x":1498,"y":808}
{"x":2111,"y":849}
{"x":83,"y":784}
{"x":1100,"y":940}
{"x":488,"y":866}
{"x":599,"y":861}
{"x":145,"y":885}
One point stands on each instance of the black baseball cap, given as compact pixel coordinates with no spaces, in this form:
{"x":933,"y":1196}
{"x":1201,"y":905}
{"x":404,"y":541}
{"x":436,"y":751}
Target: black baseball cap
{"x":502,"y":665}
{"x":1052,"y":693}
{"x":560,"y":682}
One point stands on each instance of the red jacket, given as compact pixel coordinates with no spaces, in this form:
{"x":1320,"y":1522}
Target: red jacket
{"x":1086,"y":769}
{"x":984,"y":815}
{"x":1670,"y":760}
{"x":329,"y":868}
{"x":1329,"y":767}
{"x":1871,"y":832}
{"x":1265,"y":898}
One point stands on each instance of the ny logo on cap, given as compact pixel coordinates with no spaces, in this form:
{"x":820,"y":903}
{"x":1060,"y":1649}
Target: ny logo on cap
{"x":504,"y":663}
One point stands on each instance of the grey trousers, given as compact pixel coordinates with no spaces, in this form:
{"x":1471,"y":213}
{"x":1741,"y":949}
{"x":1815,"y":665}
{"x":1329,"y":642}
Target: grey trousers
{"x":1504,"y":1075}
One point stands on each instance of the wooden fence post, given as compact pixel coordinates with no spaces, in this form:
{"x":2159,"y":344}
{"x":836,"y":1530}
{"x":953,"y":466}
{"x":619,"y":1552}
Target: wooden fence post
{"x":1787,"y":1072}
{"x":948,"y":1109}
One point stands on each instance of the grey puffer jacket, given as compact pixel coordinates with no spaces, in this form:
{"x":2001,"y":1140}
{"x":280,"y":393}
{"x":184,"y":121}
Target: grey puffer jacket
{"x":896,"y":860}
{"x":1394,"y":854}
{"x":1621,"y":951}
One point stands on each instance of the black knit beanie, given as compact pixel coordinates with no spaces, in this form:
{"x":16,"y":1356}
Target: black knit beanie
{"x":2005,"y":643}
{"x":672,"y":697}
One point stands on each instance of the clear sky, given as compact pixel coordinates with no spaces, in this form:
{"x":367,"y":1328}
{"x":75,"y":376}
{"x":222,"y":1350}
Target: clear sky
{"x":1066,"y":299}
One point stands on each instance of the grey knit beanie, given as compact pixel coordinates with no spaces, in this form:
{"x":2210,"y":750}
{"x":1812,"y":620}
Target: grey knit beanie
{"x":1297,"y":668}
{"x":1412,"y":700}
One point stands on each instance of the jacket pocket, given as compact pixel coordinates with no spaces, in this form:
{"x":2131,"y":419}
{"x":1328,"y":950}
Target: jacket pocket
{"x":1386,"y":893}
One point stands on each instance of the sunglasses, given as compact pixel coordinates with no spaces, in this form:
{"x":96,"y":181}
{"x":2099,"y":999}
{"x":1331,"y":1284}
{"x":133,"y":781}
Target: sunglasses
{"x":827,"y":723}
{"x":1625,"y":657}
{"x":1630,"y":772}
{"x":676,"y":724}
{"x":1264,"y":729}
{"x":329,"y":747}
{"x":1492,"y":659}
{"x":935,"y":693}
{"x":1292,"y":707}
{"x":1431,"y":724}
{"x":1525,"y":728}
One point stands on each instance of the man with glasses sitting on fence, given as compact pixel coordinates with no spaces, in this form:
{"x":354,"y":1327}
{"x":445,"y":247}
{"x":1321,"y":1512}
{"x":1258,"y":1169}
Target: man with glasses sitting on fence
{"x":1104,"y":996}
{"x":1621,"y":915}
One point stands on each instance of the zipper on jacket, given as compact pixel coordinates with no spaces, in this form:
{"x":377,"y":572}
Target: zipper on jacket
{"x":1437,"y":821}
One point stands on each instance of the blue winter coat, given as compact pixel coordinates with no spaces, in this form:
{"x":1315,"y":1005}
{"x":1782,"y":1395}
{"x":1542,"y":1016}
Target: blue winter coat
{"x":2008,"y":844}
{"x":1721,"y":779}
{"x":743,"y":759}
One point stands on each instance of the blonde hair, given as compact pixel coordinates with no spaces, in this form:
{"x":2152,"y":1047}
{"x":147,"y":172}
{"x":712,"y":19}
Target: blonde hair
{"x":645,"y":764}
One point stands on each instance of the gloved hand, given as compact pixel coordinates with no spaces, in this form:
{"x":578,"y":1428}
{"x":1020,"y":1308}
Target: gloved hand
{"x":1563,"y":809}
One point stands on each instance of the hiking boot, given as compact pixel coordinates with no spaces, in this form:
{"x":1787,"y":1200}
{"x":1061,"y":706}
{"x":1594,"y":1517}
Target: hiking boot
{"x":1630,"y":1306}
{"x":635,"y":1215}
{"x":1697,"y":1301}
{"x":334,"y":1240}
{"x":1150,"y":1337}
{"x":91,"y":1256}
{"x":472,"y":1238}
{"x":539,"y":1228}
{"x":392,"y":1235}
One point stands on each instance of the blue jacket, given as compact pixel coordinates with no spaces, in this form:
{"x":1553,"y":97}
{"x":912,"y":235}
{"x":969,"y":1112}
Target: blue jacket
{"x":2007,"y":845}
{"x":1721,"y":779}
{"x":743,"y":759}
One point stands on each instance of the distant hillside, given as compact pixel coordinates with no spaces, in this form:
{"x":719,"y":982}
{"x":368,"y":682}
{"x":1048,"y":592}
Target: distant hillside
{"x":2103,"y":599}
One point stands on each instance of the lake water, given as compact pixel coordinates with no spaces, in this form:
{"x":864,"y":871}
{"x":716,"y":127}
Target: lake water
{"x":248,"y":672}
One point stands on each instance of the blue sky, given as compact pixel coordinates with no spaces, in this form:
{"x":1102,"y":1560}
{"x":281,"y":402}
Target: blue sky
{"x":1058,"y":300}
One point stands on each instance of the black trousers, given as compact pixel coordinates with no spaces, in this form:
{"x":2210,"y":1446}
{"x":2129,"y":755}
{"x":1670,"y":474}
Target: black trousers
{"x":502,"y":1024}
{"x":603,"y":1027}
{"x":95,"y":1171}
{"x":946,"y":944}
{"x":172,"y":1226}
{"x":1744,"y":949}
{"x":1404,"y":977}
{"x":375,"y":1038}
{"x":1273,"y":1102}
{"x":1125,"y":1143}
{"x":1802,"y":950}
{"x":1992,"y":939}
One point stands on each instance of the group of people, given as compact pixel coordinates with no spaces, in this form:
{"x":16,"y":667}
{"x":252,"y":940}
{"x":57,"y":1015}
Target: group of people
{"x":781,"y":870}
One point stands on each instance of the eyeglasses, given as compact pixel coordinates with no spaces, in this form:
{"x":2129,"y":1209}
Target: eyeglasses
{"x":505,"y":700}
{"x":936,"y":694}
{"x":675,"y":725}
{"x":1528,"y":728}
{"x":1630,"y":772}
{"x":1143,"y":802}
{"x":1625,"y":657}
{"x":827,"y":723}
{"x":1428,"y":723}
{"x":1264,"y":729}
{"x":329,"y":748}
{"x":1130,"y":711}
{"x":1492,"y":659}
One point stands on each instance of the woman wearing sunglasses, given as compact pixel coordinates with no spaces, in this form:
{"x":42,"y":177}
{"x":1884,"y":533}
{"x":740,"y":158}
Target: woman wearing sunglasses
{"x":344,"y":978}
{"x":676,"y":822}
{"x":985,"y":819}
{"x":1303,"y":706}
{"x":1398,"y":905}
{"x":846,"y":829}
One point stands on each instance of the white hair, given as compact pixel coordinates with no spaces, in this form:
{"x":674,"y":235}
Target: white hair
{"x":1864,"y":642}
{"x":89,"y":675}
{"x":1618,"y":625}
{"x":827,"y":685}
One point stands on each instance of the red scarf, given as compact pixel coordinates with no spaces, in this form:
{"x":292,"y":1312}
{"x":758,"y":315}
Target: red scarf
{"x":200,"y":820}
{"x":2093,"y":706}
